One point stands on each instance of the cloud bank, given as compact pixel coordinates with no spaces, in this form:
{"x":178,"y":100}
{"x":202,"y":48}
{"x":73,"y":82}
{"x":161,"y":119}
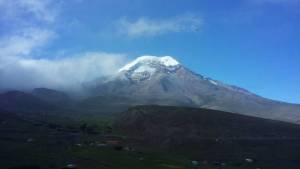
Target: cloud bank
{"x":151,"y":27}
{"x":67,"y":73}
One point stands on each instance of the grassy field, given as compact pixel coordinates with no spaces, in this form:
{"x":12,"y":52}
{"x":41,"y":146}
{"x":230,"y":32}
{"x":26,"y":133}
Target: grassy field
{"x":55,"y":143}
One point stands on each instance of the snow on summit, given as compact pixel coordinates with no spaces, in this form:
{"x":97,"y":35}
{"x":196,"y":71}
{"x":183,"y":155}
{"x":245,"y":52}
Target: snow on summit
{"x":167,"y":61}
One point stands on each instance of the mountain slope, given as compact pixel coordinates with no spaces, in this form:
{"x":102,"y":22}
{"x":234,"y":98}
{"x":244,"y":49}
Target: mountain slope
{"x":148,"y":120}
{"x":164,"y":81}
{"x":21,"y":102}
{"x":51,"y":96}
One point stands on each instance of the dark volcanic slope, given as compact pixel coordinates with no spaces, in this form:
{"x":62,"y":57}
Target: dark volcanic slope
{"x":51,"y":96}
{"x":18,"y":102}
{"x":214,"y":135}
{"x":153,"y":120}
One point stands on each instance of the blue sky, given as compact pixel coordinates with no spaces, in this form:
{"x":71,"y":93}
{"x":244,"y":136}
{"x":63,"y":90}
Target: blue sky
{"x":254,"y":44}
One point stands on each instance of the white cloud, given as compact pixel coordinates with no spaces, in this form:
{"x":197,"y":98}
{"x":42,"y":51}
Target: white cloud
{"x":23,"y":42}
{"x":152,"y":27}
{"x":64,"y":73}
{"x":38,"y":10}
{"x":28,"y":26}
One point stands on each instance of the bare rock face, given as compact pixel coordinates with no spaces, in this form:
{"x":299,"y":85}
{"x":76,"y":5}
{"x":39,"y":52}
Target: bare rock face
{"x":164,"y":81}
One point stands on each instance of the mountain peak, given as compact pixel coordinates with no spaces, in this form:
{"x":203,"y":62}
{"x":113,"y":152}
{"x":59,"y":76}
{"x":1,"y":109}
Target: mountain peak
{"x":166,"y":61}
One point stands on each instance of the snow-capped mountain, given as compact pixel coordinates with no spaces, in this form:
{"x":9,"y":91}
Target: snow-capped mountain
{"x":143,"y":68}
{"x":164,"y":81}
{"x":146,"y":66}
{"x":151,"y":62}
